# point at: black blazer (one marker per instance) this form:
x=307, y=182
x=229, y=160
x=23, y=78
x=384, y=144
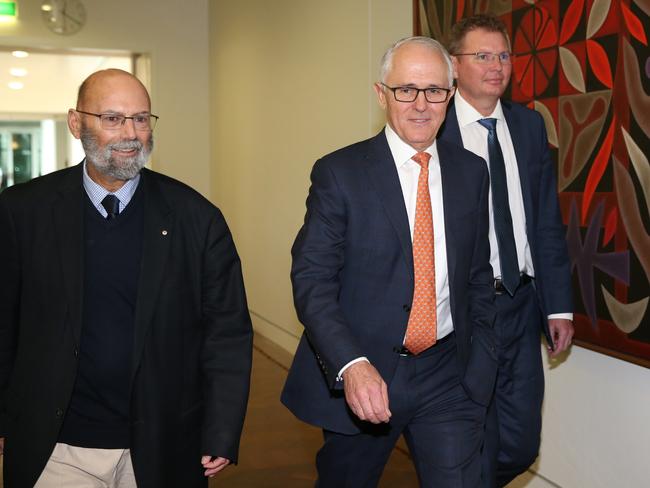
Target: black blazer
x=544, y=230
x=193, y=336
x=352, y=275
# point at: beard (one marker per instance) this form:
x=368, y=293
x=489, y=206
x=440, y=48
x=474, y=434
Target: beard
x=118, y=168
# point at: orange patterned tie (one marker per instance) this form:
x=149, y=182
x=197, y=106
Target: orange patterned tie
x=421, y=329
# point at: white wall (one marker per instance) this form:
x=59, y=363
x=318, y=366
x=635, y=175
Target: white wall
x=596, y=431
x=291, y=81
x=175, y=35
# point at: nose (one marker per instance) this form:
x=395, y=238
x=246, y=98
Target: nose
x=420, y=103
x=128, y=129
x=496, y=63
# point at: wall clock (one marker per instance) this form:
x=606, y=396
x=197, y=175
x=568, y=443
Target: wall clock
x=63, y=16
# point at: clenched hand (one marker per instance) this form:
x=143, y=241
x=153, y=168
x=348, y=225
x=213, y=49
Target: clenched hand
x=561, y=333
x=366, y=393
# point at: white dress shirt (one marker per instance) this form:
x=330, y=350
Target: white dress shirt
x=96, y=192
x=474, y=137
x=409, y=172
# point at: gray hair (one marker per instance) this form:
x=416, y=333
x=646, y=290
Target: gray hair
x=387, y=58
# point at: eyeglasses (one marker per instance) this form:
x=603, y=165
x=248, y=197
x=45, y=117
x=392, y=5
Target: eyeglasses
x=487, y=58
x=142, y=122
x=434, y=94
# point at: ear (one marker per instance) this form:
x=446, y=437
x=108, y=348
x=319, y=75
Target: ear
x=451, y=95
x=74, y=123
x=381, y=95
x=454, y=63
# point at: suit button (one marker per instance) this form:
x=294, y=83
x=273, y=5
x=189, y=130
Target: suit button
x=76, y=352
x=407, y=307
x=59, y=412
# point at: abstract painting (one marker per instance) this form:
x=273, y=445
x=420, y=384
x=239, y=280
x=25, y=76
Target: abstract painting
x=584, y=65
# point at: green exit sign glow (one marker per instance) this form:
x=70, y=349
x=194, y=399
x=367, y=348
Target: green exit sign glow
x=8, y=9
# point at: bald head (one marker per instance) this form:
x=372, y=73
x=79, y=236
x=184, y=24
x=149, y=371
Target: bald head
x=101, y=81
x=114, y=153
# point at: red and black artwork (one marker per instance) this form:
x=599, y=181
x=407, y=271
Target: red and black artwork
x=584, y=65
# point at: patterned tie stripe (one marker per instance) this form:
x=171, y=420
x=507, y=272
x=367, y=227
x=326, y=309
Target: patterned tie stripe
x=421, y=328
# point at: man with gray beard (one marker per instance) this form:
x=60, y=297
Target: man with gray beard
x=125, y=338
x=102, y=157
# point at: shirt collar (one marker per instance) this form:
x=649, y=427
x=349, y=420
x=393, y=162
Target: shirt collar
x=402, y=152
x=96, y=192
x=468, y=115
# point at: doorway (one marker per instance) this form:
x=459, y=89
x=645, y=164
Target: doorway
x=37, y=87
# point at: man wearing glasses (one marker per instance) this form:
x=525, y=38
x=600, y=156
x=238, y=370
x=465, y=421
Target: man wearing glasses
x=527, y=239
x=125, y=339
x=392, y=282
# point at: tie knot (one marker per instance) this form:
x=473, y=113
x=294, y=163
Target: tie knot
x=422, y=159
x=489, y=124
x=112, y=205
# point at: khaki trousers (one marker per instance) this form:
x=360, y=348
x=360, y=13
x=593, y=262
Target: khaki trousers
x=77, y=467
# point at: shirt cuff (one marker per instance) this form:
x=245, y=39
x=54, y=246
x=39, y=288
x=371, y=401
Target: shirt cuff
x=358, y=360
x=568, y=316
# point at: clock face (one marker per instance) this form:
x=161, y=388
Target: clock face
x=63, y=16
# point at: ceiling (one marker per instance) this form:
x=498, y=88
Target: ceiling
x=52, y=79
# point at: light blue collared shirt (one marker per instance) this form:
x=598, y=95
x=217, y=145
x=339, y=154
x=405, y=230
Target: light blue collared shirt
x=96, y=192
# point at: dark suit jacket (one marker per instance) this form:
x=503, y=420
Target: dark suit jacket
x=192, y=345
x=352, y=275
x=544, y=230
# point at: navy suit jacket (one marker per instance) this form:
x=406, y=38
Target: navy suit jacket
x=544, y=230
x=352, y=276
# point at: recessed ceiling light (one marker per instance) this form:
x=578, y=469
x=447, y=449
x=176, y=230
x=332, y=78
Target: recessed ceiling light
x=20, y=72
x=20, y=54
x=46, y=7
x=16, y=85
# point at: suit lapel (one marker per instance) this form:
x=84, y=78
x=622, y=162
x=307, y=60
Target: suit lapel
x=382, y=174
x=450, y=131
x=155, y=254
x=68, y=218
x=521, y=153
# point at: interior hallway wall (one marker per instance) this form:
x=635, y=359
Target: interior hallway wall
x=175, y=35
x=290, y=82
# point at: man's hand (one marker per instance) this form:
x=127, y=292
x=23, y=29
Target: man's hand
x=213, y=465
x=561, y=333
x=2, y=445
x=366, y=392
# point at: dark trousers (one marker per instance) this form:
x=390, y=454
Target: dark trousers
x=442, y=426
x=514, y=418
